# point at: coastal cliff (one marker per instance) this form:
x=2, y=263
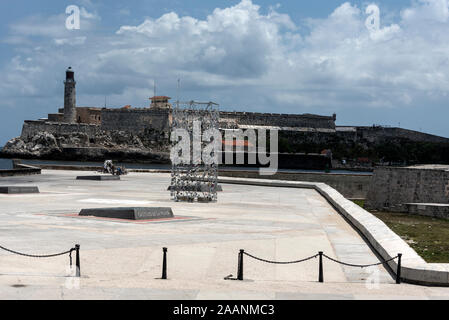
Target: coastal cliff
x=119, y=145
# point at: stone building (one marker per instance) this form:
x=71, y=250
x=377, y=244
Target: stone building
x=160, y=102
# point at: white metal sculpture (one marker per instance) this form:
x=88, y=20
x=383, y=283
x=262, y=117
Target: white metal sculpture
x=194, y=178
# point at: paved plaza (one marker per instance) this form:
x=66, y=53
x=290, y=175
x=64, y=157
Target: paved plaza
x=122, y=259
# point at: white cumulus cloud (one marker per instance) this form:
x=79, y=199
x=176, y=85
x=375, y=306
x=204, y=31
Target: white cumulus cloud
x=242, y=57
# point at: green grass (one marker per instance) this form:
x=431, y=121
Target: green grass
x=359, y=202
x=429, y=237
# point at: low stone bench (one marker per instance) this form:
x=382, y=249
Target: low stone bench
x=18, y=189
x=131, y=213
x=99, y=178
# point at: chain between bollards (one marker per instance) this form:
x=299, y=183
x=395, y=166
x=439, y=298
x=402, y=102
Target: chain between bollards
x=164, y=264
x=398, y=271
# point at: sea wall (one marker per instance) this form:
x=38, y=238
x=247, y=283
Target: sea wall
x=20, y=170
x=392, y=188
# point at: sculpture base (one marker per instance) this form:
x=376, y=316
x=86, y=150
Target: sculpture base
x=99, y=178
x=18, y=190
x=133, y=213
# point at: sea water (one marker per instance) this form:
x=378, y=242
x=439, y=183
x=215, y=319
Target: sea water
x=5, y=164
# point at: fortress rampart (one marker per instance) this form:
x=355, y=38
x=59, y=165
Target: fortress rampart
x=376, y=133
x=135, y=120
x=32, y=128
x=393, y=188
x=278, y=120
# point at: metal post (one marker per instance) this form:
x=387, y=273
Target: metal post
x=77, y=263
x=164, y=264
x=320, y=274
x=240, y=265
x=398, y=271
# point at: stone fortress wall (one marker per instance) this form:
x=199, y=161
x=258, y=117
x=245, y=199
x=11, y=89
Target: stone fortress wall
x=276, y=120
x=138, y=120
x=375, y=133
x=393, y=189
x=135, y=120
x=157, y=121
x=32, y=128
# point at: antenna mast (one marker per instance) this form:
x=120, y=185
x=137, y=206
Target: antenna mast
x=179, y=85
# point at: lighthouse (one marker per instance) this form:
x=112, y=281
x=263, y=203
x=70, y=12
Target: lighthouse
x=69, y=96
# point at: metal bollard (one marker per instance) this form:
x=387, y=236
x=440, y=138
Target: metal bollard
x=240, y=265
x=398, y=271
x=77, y=263
x=164, y=264
x=320, y=274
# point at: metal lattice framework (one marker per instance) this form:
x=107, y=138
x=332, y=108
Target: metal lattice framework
x=194, y=180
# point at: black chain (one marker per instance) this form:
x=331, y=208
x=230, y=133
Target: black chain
x=314, y=256
x=360, y=265
x=40, y=256
x=276, y=262
x=70, y=256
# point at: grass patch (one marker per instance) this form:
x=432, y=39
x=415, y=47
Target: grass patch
x=429, y=237
x=359, y=202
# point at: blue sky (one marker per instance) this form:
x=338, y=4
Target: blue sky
x=269, y=56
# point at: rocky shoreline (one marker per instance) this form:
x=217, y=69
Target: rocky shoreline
x=117, y=145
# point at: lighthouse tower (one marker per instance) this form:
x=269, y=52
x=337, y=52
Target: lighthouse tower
x=69, y=96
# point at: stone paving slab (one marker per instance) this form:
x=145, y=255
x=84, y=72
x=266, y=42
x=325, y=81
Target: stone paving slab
x=386, y=243
x=123, y=260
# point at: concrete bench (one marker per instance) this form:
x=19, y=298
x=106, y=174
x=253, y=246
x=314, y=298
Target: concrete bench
x=131, y=213
x=99, y=178
x=18, y=189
